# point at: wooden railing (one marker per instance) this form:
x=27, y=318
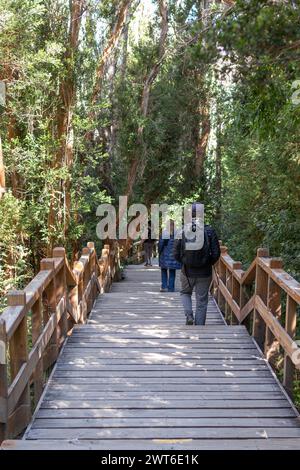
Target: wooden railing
x=265, y=298
x=37, y=321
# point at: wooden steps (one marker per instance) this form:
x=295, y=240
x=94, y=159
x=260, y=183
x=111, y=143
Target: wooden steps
x=135, y=377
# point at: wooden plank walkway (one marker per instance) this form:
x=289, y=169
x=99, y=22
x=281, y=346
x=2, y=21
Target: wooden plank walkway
x=135, y=377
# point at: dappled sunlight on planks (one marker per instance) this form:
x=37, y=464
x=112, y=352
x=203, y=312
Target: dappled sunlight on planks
x=135, y=373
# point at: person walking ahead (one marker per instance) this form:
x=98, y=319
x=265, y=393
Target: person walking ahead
x=167, y=262
x=196, y=273
x=148, y=246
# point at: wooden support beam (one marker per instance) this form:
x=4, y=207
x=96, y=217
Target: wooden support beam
x=87, y=275
x=18, y=349
x=228, y=284
x=290, y=327
x=274, y=304
x=261, y=290
x=77, y=296
x=94, y=269
x=61, y=293
x=279, y=332
x=3, y=381
x=222, y=278
x=236, y=291
x=37, y=327
x=51, y=352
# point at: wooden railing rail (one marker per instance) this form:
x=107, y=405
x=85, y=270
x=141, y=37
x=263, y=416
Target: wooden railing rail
x=37, y=321
x=255, y=298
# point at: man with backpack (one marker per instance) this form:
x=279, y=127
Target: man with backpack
x=197, y=261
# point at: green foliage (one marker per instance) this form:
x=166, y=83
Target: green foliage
x=239, y=63
x=14, y=256
x=33, y=38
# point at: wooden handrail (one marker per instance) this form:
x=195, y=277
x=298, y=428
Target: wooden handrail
x=260, y=308
x=37, y=321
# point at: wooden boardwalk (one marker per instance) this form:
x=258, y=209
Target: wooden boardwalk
x=135, y=377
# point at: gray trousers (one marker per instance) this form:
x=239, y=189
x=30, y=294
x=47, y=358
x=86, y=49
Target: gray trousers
x=148, y=248
x=201, y=287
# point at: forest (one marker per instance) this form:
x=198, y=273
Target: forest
x=161, y=101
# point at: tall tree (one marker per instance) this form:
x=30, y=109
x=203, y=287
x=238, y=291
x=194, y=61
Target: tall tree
x=2, y=172
x=203, y=111
x=139, y=160
x=112, y=42
x=64, y=118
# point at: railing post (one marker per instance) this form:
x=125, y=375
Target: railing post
x=101, y=277
x=243, y=300
x=108, y=252
x=228, y=284
x=104, y=256
x=117, y=262
x=274, y=305
x=37, y=327
x=86, y=251
x=222, y=277
x=18, y=348
x=290, y=327
x=61, y=293
x=3, y=381
x=216, y=273
x=78, y=268
x=236, y=290
x=52, y=349
x=261, y=289
x=93, y=265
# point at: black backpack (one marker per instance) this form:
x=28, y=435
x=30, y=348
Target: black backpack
x=196, y=258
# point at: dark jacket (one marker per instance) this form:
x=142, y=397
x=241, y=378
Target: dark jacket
x=149, y=238
x=215, y=252
x=165, y=250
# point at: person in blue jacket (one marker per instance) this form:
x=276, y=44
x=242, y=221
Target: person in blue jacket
x=167, y=262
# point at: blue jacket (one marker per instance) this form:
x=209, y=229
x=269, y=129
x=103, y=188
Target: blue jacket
x=166, y=257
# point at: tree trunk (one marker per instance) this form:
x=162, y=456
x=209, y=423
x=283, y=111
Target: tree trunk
x=12, y=133
x=131, y=10
x=139, y=161
x=64, y=131
x=203, y=137
x=218, y=172
x=112, y=43
x=204, y=103
x=125, y=49
x=2, y=172
x=108, y=135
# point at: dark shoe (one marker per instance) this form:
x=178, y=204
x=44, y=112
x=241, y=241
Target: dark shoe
x=162, y=289
x=189, y=320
